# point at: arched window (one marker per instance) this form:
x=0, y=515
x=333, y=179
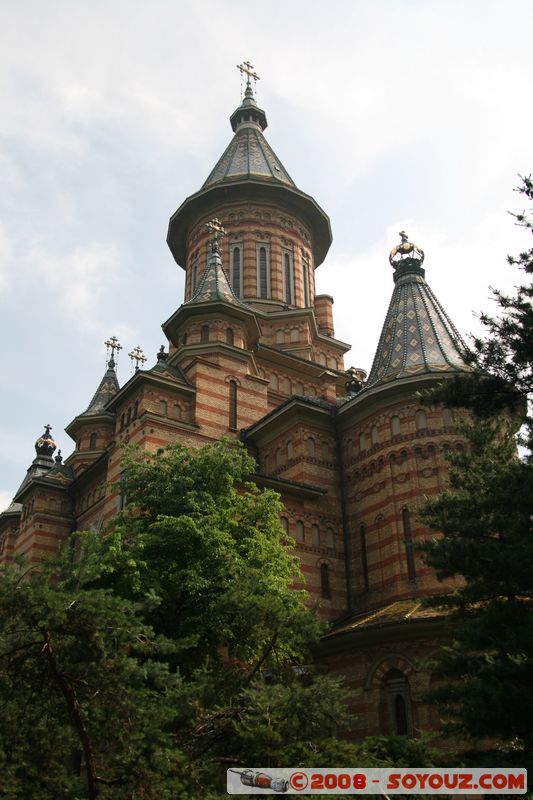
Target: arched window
x=128, y=418
x=184, y=339
x=230, y=338
x=408, y=541
x=447, y=417
x=233, y=405
x=263, y=272
x=277, y=457
x=92, y=442
x=194, y=276
x=395, y=426
x=421, y=421
x=315, y=535
x=285, y=524
x=305, y=270
x=136, y=409
x=175, y=411
x=288, y=279
x=362, y=442
x=364, y=557
x=274, y=383
x=295, y=334
x=290, y=450
x=330, y=538
x=310, y=447
x=299, y=531
x=398, y=703
x=325, y=589
x=236, y=270
x=163, y=408
x=280, y=337
x=374, y=436
x=204, y=334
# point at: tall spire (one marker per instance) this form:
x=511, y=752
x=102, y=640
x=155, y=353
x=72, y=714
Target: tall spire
x=417, y=336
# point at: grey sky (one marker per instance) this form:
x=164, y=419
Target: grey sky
x=392, y=114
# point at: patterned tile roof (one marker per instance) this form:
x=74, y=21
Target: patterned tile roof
x=107, y=388
x=417, y=336
x=214, y=284
x=249, y=155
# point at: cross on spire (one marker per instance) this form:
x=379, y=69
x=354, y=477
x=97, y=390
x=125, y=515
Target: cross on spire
x=248, y=69
x=138, y=356
x=112, y=344
x=217, y=230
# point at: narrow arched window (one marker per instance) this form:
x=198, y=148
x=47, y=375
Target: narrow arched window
x=136, y=409
x=395, y=426
x=290, y=450
x=233, y=405
x=364, y=557
x=310, y=447
x=325, y=589
x=204, y=334
x=287, y=278
x=274, y=383
x=330, y=538
x=230, y=338
x=163, y=408
x=305, y=270
x=315, y=535
x=398, y=701
x=362, y=442
x=280, y=337
x=92, y=442
x=285, y=524
x=236, y=271
x=408, y=541
x=128, y=418
x=194, y=276
x=374, y=436
x=299, y=531
x=263, y=272
x=277, y=457
x=421, y=420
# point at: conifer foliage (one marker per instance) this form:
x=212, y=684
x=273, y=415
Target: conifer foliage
x=486, y=518
x=145, y=662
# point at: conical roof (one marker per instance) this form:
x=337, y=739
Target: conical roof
x=214, y=284
x=248, y=168
x=248, y=155
x=107, y=388
x=417, y=336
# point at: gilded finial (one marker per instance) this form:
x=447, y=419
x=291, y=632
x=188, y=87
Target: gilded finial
x=138, y=356
x=406, y=253
x=218, y=231
x=114, y=345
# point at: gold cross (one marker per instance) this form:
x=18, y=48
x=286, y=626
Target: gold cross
x=138, y=356
x=248, y=69
x=217, y=230
x=113, y=344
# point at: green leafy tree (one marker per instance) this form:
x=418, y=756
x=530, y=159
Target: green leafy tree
x=86, y=696
x=487, y=544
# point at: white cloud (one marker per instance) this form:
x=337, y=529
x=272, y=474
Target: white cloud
x=80, y=279
x=6, y=251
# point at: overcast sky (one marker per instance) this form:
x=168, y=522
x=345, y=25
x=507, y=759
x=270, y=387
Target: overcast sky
x=391, y=113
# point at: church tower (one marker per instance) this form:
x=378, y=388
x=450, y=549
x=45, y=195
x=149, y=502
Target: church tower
x=251, y=355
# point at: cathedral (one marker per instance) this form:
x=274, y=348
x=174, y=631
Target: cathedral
x=252, y=355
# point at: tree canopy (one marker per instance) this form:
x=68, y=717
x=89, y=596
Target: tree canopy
x=485, y=517
x=145, y=662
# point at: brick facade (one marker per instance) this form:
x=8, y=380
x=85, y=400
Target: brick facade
x=351, y=467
